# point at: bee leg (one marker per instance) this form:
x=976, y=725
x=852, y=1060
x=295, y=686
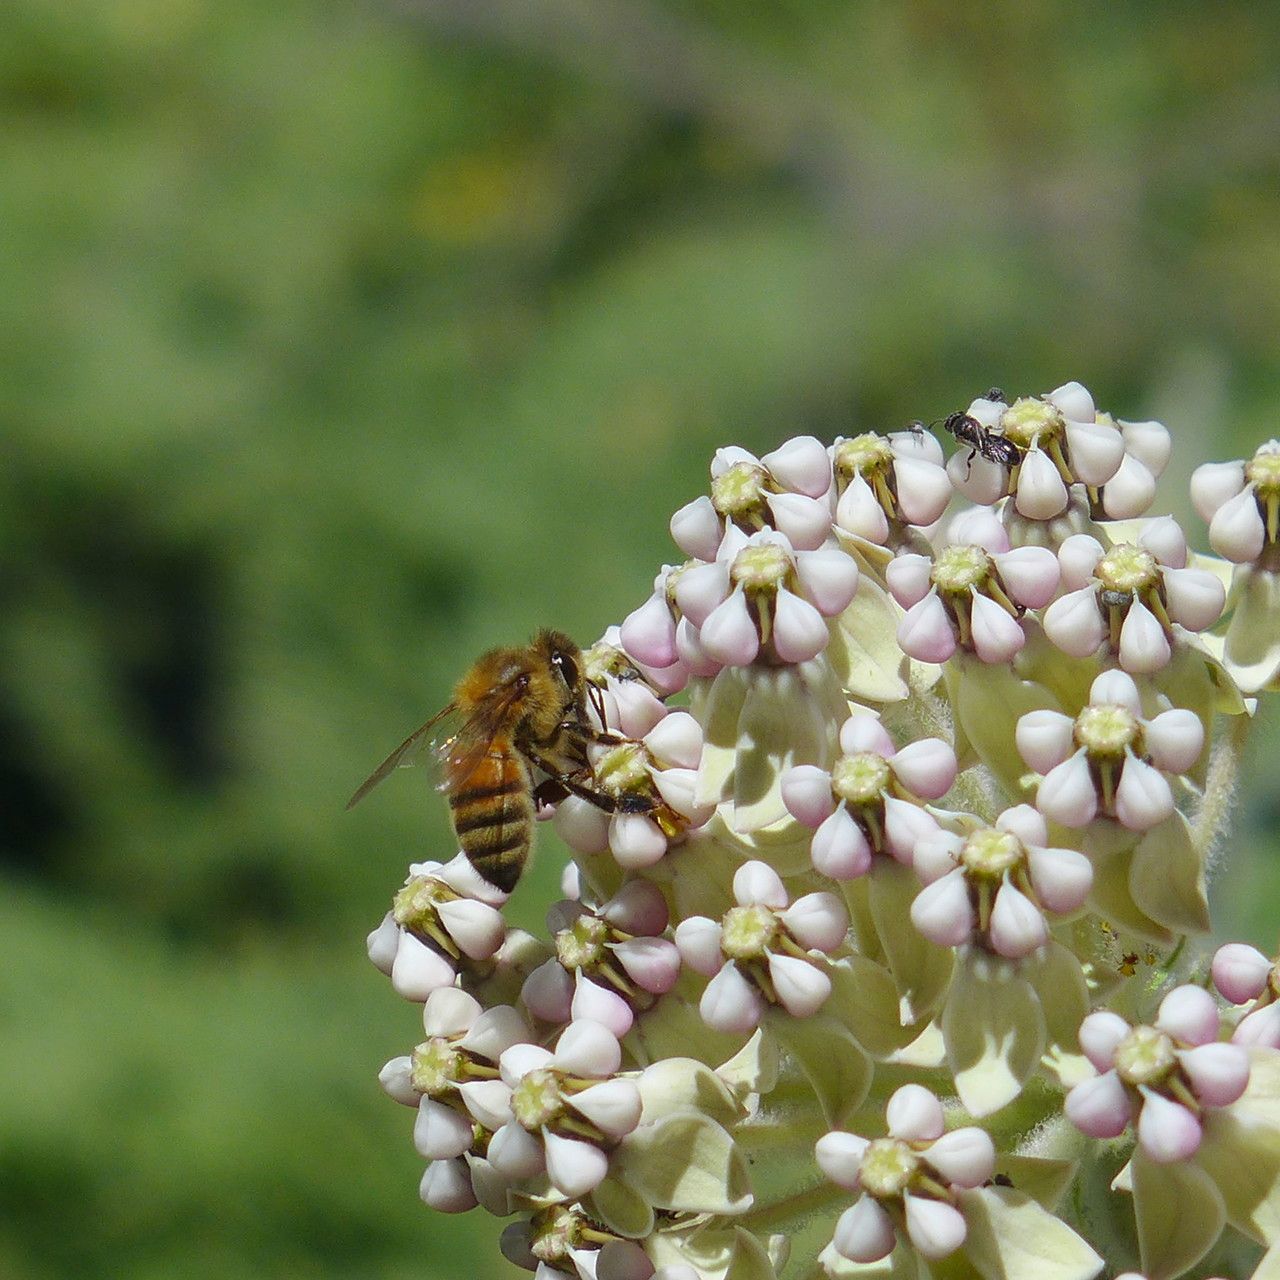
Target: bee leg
x=548, y=792
x=973, y=453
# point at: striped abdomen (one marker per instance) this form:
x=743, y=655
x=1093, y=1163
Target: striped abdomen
x=492, y=812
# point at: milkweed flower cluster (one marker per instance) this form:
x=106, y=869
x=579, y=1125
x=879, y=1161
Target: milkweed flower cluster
x=882, y=954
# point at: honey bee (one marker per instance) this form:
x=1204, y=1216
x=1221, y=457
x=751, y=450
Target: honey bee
x=517, y=709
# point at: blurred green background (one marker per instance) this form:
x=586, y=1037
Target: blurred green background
x=339, y=342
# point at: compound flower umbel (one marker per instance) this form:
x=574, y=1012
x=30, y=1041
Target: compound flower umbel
x=880, y=951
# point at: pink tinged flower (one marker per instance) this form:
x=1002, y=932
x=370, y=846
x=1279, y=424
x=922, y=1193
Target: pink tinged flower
x=595, y=1003
x=547, y=992
x=649, y=632
x=840, y=848
x=936, y=1229
x=839, y=1157
x=1240, y=972
x=418, y=969
x=1078, y=558
x=942, y=911
x=1190, y=1014
x=698, y=940
x=1144, y=647
x=926, y=767
x=908, y=579
x=1174, y=739
x=801, y=464
x=865, y=1232
x=1030, y=575
x=1214, y=483
x=440, y=1132
x=805, y=521
x=697, y=529
x=636, y=840
x=730, y=1003
x=1167, y=1131
x=395, y=1081
x=1099, y=1107
x=1043, y=739
x=1017, y=928
x=828, y=577
x=965, y=1157
x=997, y=636
x=729, y=634
x=925, y=631
x=1130, y=490
x=382, y=944
x=1218, y=1073
x=653, y=964
x=1074, y=623
x=1237, y=530
x=914, y=1114
x=799, y=630
x=802, y=988
x=1066, y=794
x=806, y=791
x=1075, y=401
x=1195, y=598
x=757, y=882
x=817, y=921
x=924, y=489
x=859, y=512
x=700, y=588
x=476, y=928
x=582, y=825
x=1143, y=797
x=1100, y=1035
x=1040, y=493
x=1259, y=1029
x=446, y=1186
x=1097, y=451
x=976, y=478
x=1062, y=878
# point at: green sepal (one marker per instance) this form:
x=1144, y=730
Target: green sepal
x=1166, y=877
x=1110, y=848
x=750, y=1259
x=994, y=1030
x=1179, y=1212
x=620, y=1208
x=685, y=1164
x=902, y=1264
x=864, y=999
x=753, y=1069
x=1241, y=1151
x=759, y=722
x=921, y=970
x=988, y=700
x=833, y=1061
x=1055, y=973
x=1045, y=1181
x=1012, y=1237
x=1252, y=649
x=863, y=650
x=684, y=1084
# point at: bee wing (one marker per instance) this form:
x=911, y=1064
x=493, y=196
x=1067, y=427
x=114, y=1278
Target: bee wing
x=462, y=753
x=405, y=754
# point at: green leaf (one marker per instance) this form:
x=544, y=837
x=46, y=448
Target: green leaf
x=863, y=649
x=1110, y=848
x=902, y=1264
x=754, y=1068
x=1241, y=1151
x=865, y=999
x=686, y=1164
x=1045, y=1181
x=994, y=1030
x=750, y=1260
x=1011, y=1237
x=684, y=1084
x=1166, y=877
x=621, y=1208
x=1179, y=1213
x=835, y=1063
x=988, y=701
x=921, y=970
x=1059, y=981
x=1252, y=650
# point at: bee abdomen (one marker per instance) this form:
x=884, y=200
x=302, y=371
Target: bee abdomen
x=493, y=820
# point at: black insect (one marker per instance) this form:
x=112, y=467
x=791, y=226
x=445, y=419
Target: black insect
x=997, y=394
x=980, y=439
